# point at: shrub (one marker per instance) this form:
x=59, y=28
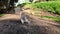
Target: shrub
x=52, y=6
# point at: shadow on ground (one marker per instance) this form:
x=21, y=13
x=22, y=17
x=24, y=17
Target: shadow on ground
x=12, y=26
x=15, y=27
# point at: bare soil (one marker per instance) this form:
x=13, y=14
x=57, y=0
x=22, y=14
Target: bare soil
x=10, y=24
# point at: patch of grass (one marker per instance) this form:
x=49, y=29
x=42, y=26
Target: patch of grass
x=36, y=12
x=1, y=15
x=57, y=19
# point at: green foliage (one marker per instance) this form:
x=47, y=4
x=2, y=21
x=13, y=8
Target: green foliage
x=51, y=6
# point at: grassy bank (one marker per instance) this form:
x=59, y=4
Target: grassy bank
x=51, y=6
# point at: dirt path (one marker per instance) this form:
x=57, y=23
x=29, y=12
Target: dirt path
x=10, y=24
